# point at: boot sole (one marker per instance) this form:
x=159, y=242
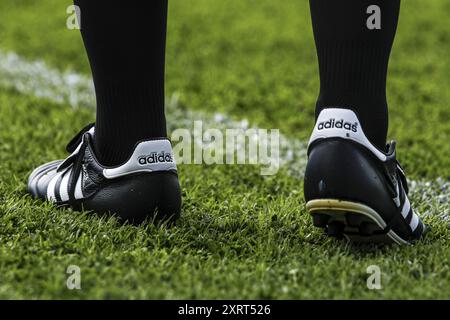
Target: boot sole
x=354, y=221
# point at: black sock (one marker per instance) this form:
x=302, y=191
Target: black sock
x=353, y=59
x=125, y=42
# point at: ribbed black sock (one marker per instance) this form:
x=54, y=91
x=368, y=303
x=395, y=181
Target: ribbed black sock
x=125, y=42
x=353, y=58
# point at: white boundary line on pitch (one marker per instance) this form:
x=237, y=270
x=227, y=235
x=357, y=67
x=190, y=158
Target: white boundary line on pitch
x=76, y=90
x=36, y=78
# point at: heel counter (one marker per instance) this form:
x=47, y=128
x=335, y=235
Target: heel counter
x=139, y=196
x=341, y=169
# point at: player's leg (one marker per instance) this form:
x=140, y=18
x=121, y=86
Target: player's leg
x=353, y=183
x=124, y=164
x=125, y=43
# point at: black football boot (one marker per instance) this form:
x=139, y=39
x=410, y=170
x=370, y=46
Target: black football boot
x=145, y=186
x=354, y=190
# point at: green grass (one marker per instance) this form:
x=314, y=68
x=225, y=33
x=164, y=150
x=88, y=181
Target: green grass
x=241, y=235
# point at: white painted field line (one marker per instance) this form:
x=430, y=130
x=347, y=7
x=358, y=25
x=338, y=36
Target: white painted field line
x=38, y=79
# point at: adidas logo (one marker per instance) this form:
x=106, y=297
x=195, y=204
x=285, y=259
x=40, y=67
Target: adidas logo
x=332, y=123
x=155, y=157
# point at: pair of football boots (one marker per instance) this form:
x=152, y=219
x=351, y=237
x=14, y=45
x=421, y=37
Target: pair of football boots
x=351, y=188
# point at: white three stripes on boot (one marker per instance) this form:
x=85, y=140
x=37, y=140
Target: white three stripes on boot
x=52, y=186
x=64, y=187
x=405, y=211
